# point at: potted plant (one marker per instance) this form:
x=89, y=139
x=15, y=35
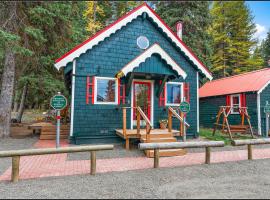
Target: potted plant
x=163, y=123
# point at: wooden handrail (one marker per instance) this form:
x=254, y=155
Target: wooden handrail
x=178, y=116
x=178, y=145
x=144, y=116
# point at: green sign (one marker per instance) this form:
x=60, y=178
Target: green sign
x=184, y=107
x=267, y=108
x=58, y=102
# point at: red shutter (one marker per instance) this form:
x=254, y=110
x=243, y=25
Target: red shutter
x=187, y=92
x=121, y=92
x=243, y=100
x=90, y=89
x=228, y=100
x=162, y=97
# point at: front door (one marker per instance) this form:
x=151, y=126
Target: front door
x=142, y=98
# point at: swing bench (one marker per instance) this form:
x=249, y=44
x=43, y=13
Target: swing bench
x=225, y=111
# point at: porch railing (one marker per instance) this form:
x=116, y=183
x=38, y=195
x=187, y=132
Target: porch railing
x=139, y=114
x=172, y=112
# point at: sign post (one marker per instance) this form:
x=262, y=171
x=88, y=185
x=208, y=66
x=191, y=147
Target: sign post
x=267, y=113
x=184, y=108
x=58, y=102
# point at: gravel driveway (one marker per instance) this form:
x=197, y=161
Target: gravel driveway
x=246, y=179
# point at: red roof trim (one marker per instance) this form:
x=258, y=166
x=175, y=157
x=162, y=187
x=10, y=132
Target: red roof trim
x=125, y=16
x=162, y=21
x=99, y=32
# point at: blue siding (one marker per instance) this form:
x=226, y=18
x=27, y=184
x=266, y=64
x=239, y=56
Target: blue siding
x=209, y=108
x=106, y=59
x=265, y=96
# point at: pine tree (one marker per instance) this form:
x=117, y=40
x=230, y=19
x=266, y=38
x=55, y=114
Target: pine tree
x=196, y=19
x=232, y=32
x=266, y=50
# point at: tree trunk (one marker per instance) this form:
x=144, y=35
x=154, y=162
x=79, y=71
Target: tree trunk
x=15, y=100
x=21, y=109
x=7, y=92
x=8, y=75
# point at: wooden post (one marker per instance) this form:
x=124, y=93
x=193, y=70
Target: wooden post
x=15, y=168
x=182, y=125
x=156, y=158
x=207, y=155
x=93, y=163
x=148, y=129
x=125, y=122
x=127, y=143
x=170, y=121
x=138, y=122
x=250, y=152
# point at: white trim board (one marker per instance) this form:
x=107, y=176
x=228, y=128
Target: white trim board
x=116, y=91
x=72, y=98
x=155, y=48
x=182, y=93
x=259, y=113
x=260, y=91
x=62, y=62
x=198, y=105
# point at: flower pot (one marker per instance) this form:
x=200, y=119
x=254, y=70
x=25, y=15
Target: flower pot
x=163, y=125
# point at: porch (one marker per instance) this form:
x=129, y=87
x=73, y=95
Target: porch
x=149, y=135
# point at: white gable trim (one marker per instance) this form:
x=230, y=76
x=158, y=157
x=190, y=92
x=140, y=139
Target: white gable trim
x=260, y=91
x=147, y=54
x=118, y=25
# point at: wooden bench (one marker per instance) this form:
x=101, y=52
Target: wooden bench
x=16, y=154
x=249, y=144
x=181, y=145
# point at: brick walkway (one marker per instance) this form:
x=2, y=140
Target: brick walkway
x=58, y=165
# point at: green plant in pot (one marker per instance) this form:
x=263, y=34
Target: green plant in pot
x=163, y=123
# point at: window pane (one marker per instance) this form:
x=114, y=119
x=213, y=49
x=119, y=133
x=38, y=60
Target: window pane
x=236, y=100
x=106, y=90
x=173, y=94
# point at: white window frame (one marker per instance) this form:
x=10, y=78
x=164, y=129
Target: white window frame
x=116, y=91
x=182, y=93
x=239, y=97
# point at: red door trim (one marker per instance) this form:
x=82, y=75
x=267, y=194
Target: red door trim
x=149, y=98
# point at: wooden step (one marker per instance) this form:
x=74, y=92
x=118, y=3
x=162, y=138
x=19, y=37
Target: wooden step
x=52, y=137
x=159, y=140
x=167, y=153
x=158, y=135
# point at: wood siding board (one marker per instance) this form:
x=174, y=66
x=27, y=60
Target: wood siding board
x=106, y=59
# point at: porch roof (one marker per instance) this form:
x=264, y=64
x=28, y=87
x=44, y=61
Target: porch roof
x=154, y=49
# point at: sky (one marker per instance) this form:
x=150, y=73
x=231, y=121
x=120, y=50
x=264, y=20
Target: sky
x=261, y=13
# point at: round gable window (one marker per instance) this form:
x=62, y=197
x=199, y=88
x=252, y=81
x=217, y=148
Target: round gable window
x=142, y=42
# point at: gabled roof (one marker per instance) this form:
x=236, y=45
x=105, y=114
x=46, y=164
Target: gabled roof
x=106, y=32
x=254, y=81
x=154, y=49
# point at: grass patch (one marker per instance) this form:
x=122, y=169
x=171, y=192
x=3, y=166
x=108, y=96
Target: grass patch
x=208, y=134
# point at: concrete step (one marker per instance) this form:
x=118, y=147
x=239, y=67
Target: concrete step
x=167, y=153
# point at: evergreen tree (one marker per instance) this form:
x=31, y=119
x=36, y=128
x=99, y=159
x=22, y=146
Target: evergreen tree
x=232, y=31
x=266, y=50
x=196, y=19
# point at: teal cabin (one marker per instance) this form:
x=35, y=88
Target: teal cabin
x=251, y=90
x=131, y=72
